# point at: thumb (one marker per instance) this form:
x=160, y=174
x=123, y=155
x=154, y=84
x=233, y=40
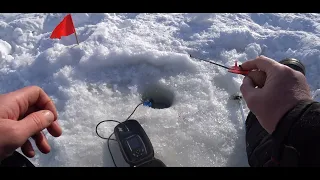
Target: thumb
x=36, y=122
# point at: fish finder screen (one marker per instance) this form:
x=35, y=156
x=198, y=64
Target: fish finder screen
x=134, y=142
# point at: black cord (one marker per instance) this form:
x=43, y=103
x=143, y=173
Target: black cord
x=110, y=150
x=116, y=121
x=108, y=121
x=134, y=110
x=109, y=138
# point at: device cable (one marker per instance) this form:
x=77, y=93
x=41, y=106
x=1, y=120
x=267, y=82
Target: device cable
x=146, y=103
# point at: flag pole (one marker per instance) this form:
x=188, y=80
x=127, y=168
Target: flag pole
x=75, y=33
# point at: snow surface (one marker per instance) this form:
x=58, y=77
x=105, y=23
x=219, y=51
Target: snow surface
x=122, y=55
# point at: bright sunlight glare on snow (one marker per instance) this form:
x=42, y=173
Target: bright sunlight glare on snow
x=122, y=56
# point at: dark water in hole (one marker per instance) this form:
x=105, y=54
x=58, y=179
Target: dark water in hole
x=162, y=96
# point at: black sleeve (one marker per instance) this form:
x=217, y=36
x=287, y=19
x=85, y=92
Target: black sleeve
x=16, y=160
x=297, y=135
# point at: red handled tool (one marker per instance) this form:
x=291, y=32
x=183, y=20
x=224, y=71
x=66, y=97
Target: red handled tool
x=237, y=70
x=234, y=69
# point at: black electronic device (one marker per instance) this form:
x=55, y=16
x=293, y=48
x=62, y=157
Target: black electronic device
x=135, y=145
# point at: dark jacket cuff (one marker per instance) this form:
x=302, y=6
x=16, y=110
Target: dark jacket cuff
x=283, y=128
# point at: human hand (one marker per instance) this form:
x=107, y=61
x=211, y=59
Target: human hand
x=23, y=114
x=280, y=89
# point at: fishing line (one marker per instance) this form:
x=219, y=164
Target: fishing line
x=241, y=110
x=239, y=98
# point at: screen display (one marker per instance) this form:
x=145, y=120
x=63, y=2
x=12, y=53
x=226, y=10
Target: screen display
x=134, y=142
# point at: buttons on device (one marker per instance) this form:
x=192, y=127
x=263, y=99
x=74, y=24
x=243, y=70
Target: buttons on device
x=138, y=152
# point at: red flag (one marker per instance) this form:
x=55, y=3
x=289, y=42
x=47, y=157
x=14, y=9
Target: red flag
x=64, y=28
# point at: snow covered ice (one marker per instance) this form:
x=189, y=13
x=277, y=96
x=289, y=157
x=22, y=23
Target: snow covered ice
x=121, y=55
